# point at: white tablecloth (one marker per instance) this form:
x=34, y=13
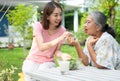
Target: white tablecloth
x=83, y=74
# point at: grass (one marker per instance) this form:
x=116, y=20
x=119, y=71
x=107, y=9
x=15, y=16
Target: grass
x=16, y=57
x=70, y=50
x=11, y=57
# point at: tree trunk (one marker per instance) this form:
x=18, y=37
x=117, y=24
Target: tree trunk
x=112, y=11
x=24, y=47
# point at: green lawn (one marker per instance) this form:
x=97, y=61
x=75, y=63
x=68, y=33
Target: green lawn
x=11, y=57
x=16, y=57
x=70, y=50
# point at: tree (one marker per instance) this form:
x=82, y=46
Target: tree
x=107, y=7
x=111, y=9
x=21, y=18
x=117, y=23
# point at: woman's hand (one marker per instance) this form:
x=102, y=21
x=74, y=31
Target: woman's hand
x=66, y=56
x=65, y=35
x=71, y=40
x=63, y=56
x=92, y=41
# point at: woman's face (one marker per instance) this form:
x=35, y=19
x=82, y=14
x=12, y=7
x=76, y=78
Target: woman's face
x=90, y=28
x=56, y=17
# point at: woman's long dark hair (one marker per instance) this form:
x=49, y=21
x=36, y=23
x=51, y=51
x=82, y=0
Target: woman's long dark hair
x=100, y=19
x=48, y=10
x=109, y=30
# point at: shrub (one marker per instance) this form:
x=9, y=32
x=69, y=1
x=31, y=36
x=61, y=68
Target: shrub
x=6, y=74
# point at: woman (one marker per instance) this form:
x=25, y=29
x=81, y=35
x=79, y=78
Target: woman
x=101, y=49
x=48, y=35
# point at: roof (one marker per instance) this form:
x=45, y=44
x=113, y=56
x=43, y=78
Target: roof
x=69, y=4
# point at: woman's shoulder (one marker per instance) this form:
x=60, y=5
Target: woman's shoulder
x=37, y=25
x=108, y=38
x=62, y=29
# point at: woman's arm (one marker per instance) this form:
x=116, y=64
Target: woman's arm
x=81, y=54
x=58, y=53
x=92, y=53
x=44, y=46
x=79, y=50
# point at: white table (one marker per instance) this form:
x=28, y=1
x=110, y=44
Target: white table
x=83, y=74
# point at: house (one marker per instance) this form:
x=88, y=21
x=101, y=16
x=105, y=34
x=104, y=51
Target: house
x=5, y=5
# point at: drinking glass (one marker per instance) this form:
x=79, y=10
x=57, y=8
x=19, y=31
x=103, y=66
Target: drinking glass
x=64, y=67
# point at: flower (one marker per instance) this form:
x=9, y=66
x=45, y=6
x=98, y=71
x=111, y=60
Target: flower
x=21, y=75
